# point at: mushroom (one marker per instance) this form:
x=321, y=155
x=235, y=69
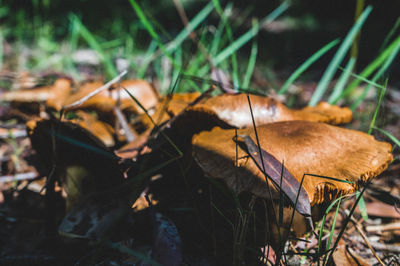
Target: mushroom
x=305, y=148
x=74, y=156
x=233, y=109
x=105, y=101
x=54, y=95
x=309, y=149
x=190, y=114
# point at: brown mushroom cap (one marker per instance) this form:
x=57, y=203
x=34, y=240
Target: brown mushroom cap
x=100, y=129
x=105, y=101
x=53, y=95
x=305, y=148
x=101, y=102
x=233, y=109
x=141, y=90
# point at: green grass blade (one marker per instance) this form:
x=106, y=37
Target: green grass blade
x=252, y=60
x=1, y=49
x=321, y=229
x=337, y=59
x=346, y=222
x=306, y=65
x=235, y=74
x=390, y=34
x=370, y=69
x=192, y=25
x=381, y=95
x=218, y=34
x=333, y=225
x=149, y=27
x=381, y=71
x=111, y=70
x=390, y=136
x=147, y=59
x=342, y=80
x=362, y=207
x=242, y=40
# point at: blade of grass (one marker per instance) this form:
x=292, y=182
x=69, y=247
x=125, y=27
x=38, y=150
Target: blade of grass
x=342, y=80
x=1, y=49
x=252, y=60
x=380, y=72
x=390, y=136
x=111, y=70
x=354, y=48
x=306, y=65
x=362, y=207
x=381, y=95
x=149, y=27
x=178, y=59
x=346, y=221
x=235, y=74
x=337, y=59
x=242, y=40
x=332, y=229
x=321, y=229
x=390, y=34
x=73, y=45
x=192, y=25
x=147, y=59
x=369, y=69
x=331, y=178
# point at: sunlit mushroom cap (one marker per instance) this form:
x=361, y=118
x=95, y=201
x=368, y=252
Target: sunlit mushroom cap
x=304, y=148
x=234, y=110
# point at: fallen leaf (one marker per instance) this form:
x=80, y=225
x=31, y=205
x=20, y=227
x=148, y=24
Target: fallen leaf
x=278, y=174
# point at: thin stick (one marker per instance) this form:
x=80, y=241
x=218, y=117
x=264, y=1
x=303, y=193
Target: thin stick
x=129, y=134
x=365, y=238
x=18, y=177
x=95, y=92
x=383, y=227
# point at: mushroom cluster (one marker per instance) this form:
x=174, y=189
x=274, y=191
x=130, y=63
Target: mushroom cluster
x=252, y=145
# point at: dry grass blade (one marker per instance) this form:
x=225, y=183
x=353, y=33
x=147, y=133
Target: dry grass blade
x=95, y=92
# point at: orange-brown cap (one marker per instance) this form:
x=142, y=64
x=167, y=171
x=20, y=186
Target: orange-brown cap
x=234, y=110
x=304, y=148
x=106, y=100
x=54, y=95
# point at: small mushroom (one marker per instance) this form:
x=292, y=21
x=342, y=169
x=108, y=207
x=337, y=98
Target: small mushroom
x=105, y=101
x=53, y=95
x=72, y=155
x=304, y=148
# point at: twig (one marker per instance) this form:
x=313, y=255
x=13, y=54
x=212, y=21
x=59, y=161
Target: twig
x=365, y=238
x=95, y=92
x=18, y=177
x=129, y=134
x=384, y=227
x=12, y=133
x=379, y=246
